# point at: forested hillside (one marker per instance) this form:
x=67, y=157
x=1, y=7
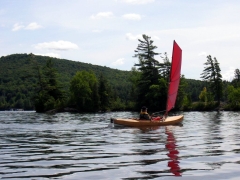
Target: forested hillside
x=18, y=78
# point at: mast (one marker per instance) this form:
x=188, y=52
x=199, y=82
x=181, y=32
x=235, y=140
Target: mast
x=174, y=78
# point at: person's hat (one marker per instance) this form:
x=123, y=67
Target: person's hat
x=144, y=108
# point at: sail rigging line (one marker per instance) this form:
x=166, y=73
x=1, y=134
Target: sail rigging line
x=158, y=112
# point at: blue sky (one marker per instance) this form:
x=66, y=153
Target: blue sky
x=106, y=32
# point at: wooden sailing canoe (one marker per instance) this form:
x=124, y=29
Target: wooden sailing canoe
x=171, y=120
x=174, y=79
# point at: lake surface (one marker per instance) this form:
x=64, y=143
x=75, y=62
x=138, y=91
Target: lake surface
x=85, y=146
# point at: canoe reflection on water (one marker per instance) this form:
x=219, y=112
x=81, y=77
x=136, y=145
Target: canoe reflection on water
x=173, y=160
x=173, y=153
x=171, y=146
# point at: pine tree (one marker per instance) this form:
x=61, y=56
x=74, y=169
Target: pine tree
x=237, y=74
x=148, y=83
x=147, y=63
x=49, y=94
x=218, y=81
x=212, y=74
x=53, y=87
x=236, y=80
x=165, y=67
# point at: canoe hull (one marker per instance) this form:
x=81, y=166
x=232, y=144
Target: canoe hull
x=171, y=120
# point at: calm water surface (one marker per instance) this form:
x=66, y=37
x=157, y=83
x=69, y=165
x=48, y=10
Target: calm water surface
x=85, y=146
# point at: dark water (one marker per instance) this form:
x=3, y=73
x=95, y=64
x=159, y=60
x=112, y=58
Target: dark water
x=74, y=146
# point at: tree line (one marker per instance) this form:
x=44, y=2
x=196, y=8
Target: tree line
x=42, y=83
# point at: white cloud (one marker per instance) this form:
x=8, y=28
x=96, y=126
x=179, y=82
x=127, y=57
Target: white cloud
x=33, y=26
x=132, y=17
x=49, y=54
x=102, y=15
x=57, y=45
x=130, y=36
x=229, y=74
x=118, y=62
x=17, y=26
x=137, y=1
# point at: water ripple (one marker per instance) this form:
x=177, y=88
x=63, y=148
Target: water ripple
x=84, y=146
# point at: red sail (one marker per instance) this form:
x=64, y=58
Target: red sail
x=174, y=76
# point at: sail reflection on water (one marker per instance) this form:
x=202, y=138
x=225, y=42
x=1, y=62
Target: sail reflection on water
x=171, y=146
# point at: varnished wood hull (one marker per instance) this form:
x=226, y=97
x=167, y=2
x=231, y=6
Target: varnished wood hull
x=171, y=120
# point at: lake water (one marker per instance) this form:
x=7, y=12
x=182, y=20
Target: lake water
x=85, y=146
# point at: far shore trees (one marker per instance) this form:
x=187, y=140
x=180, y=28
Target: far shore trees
x=41, y=83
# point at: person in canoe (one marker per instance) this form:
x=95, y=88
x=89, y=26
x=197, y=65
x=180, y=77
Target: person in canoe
x=144, y=114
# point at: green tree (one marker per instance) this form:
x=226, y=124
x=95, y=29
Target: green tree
x=236, y=80
x=157, y=95
x=27, y=104
x=237, y=74
x=148, y=65
x=53, y=86
x=149, y=68
x=218, y=85
x=234, y=97
x=183, y=100
x=3, y=103
x=203, y=95
x=104, y=93
x=19, y=104
x=49, y=94
x=83, y=89
x=165, y=67
x=212, y=74
x=135, y=76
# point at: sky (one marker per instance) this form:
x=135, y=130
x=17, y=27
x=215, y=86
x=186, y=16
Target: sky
x=106, y=32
